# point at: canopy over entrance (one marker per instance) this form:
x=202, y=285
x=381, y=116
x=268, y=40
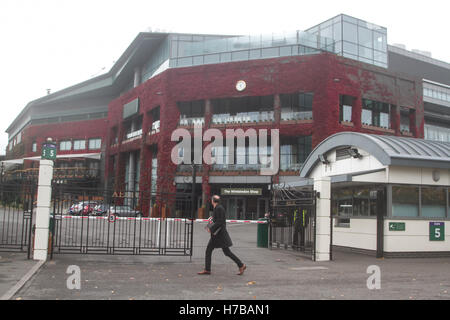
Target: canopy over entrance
x=388, y=150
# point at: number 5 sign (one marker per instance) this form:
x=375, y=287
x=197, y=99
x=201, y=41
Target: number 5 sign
x=437, y=231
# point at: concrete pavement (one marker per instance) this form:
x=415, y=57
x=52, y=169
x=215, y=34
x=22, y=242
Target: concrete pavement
x=271, y=274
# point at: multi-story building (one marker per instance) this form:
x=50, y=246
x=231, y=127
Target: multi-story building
x=338, y=76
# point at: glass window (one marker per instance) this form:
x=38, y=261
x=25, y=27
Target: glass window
x=327, y=32
x=337, y=32
x=350, y=32
x=365, y=52
x=65, y=145
x=34, y=147
x=361, y=202
x=79, y=144
x=366, y=117
x=350, y=19
x=239, y=55
x=365, y=37
x=269, y=52
x=375, y=113
x=373, y=198
x=343, y=199
x=405, y=201
x=285, y=51
x=380, y=56
x=95, y=144
x=379, y=41
x=350, y=48
x=345, y=108
x=433, y=202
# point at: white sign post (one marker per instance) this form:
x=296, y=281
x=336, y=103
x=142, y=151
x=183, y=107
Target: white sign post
x=323, y=236
x=43, y=209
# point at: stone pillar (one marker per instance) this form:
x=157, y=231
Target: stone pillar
x=323, y=222
x=43, y=210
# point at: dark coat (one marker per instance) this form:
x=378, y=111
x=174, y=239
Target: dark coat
x=222, y=238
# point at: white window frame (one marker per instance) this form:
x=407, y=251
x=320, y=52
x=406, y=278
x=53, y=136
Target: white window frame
x=82, y=142
x=65, y=145
x=97, y=141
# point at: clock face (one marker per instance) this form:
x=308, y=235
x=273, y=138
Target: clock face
x=241, y=85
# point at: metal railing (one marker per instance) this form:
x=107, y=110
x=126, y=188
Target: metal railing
x=199, y=121
x=243, y=117
x=60, y=173
x=300, y=115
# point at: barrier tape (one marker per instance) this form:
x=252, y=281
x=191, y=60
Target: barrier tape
x=158, y=219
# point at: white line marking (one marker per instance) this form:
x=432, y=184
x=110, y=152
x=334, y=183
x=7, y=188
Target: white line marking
x=11, y=292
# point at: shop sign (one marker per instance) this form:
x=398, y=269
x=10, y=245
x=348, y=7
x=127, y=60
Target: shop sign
x=437, y=231
x=397, y=226
x=241, y=191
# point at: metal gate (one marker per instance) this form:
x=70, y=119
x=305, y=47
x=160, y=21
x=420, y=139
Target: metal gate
x=16, y=216
x=293, y=220
x=89, y=221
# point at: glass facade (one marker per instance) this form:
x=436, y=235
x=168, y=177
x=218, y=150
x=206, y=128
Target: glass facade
x=436, y=133
x=441, y=94
x=192, y=51
x=355, y=39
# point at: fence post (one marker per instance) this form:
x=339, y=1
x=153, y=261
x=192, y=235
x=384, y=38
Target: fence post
x=43, y=209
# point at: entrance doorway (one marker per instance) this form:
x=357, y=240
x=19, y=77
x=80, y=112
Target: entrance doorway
x=235, y=208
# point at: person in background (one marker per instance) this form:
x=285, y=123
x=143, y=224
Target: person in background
x=219, y=238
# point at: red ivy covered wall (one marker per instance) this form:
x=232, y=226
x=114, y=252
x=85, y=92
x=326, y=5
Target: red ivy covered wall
x=326, y=75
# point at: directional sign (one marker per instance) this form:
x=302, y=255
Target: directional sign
x=397, y=226
x=437, y=231
x=48, y=151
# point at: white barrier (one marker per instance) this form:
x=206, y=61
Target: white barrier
x=159, y=219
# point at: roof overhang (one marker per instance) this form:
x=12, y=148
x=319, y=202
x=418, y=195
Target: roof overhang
x=388, y=150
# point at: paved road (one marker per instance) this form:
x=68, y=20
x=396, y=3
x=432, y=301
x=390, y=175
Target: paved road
x=271, y=274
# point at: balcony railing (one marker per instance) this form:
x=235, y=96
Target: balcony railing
x=299, y=115
x=237, y=167
x=199, y=121
x=243, y=117
x=291, y=167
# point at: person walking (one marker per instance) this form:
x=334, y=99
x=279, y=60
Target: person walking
x=219, y=238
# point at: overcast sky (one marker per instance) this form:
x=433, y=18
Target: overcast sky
x=53, y=44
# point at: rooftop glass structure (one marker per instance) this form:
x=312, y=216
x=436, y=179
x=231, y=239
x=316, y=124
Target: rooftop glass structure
x=343, y=35
x=355, y=39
